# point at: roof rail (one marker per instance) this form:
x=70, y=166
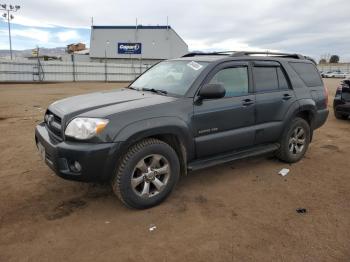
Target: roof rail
x=311, y=59
x=191, y=54
x=244, y=53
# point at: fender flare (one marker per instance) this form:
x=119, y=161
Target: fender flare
x=308, y=105
x=172, y=125
x=303, y=105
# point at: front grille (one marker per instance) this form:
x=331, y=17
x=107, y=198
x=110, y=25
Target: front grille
x=53, y=123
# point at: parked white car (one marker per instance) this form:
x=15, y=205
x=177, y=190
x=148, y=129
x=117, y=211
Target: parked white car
x=336, y=74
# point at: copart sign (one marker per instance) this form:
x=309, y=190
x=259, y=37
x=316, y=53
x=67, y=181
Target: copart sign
x=129, y=48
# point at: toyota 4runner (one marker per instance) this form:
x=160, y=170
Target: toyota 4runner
x=185, y=114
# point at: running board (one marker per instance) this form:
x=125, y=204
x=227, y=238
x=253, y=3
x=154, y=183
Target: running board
x=228, y=157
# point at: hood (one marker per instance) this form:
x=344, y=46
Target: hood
x=75, y=105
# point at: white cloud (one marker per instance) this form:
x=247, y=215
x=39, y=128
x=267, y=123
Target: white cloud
x=41, y=36
x=70, y=35
x=4, y=45
x=226, y=45
x=22, y=20
x=285, y=25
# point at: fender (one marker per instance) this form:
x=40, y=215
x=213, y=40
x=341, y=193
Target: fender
x=309, y=106
x=293, y=110
x=299, y=106
x=158, y=126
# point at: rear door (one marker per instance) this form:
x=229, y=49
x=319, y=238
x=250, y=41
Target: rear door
x=274, y=96
x=225, y=124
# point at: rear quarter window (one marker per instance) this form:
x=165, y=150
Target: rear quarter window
x=308, y=73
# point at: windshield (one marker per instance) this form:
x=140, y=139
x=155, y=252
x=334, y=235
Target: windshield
x=174, y=77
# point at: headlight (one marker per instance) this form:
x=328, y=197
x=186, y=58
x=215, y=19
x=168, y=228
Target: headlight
x=85, y=128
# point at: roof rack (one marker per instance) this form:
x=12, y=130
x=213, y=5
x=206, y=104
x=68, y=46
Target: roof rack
x=191, y=54
x=311, y=59
x=244, y=53
x=247, y=53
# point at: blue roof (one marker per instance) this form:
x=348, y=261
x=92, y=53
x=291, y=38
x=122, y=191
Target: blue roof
x=131, y=27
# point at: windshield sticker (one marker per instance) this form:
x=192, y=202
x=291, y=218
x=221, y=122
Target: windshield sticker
x=194, y=65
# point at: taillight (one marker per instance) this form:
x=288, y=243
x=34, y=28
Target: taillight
x=326, y=96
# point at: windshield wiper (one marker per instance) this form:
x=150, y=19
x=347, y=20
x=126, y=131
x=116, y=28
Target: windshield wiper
x=158, y=91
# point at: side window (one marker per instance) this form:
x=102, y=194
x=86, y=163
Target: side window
x=282, y=81
x=265, y=79
x=308, y=73
x=234, y=79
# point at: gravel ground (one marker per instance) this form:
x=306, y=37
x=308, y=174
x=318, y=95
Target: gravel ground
x=242, y=211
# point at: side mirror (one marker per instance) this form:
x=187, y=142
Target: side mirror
x=212, y=91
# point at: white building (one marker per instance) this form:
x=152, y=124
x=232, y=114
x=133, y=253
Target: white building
x=144, y=44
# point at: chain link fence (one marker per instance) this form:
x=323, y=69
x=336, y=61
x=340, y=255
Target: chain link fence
x=344, y=67
x=57, y=71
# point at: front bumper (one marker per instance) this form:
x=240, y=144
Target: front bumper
x=97, y=161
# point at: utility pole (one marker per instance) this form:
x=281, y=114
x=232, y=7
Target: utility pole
x=7, y=15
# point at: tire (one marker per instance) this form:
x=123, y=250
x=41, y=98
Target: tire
x=293, y=145
x=340, y=116
x=146, y=174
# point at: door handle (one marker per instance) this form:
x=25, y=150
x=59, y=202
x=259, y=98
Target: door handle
x=286, y=97
x=247, y=102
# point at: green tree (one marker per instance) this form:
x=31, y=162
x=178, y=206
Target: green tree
x=334, y=59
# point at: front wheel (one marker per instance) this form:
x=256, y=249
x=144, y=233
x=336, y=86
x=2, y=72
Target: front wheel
x=146, y=174
x=295, y=141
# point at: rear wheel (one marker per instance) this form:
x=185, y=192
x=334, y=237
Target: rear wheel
x=146, y=174
x=295, y=141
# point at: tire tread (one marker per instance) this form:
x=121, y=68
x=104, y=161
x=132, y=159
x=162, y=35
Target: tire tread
x=116, y=181
x=282, y=152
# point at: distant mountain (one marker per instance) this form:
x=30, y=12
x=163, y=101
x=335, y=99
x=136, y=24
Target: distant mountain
x=57, y=51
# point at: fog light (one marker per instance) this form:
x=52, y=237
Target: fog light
x=76, y=167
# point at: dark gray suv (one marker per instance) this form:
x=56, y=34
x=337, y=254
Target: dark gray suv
x=185, y=114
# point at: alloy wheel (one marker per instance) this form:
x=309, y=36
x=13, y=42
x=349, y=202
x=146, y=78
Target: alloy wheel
x=297, y=141
x=150, y=176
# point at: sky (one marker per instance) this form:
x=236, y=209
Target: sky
x=313, y=28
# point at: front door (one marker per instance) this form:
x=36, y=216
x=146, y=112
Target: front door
x=225, y=124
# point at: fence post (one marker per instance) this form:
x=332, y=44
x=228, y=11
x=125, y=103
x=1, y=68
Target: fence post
x=73, y=67
x=106, y=70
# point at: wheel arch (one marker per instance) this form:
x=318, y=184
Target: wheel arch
x=303, y=108
x=307, y=110
x=174, y=133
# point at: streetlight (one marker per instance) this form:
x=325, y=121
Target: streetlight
x=9, y=17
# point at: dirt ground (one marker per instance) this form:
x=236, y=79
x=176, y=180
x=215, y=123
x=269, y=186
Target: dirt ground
x=242, y=211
